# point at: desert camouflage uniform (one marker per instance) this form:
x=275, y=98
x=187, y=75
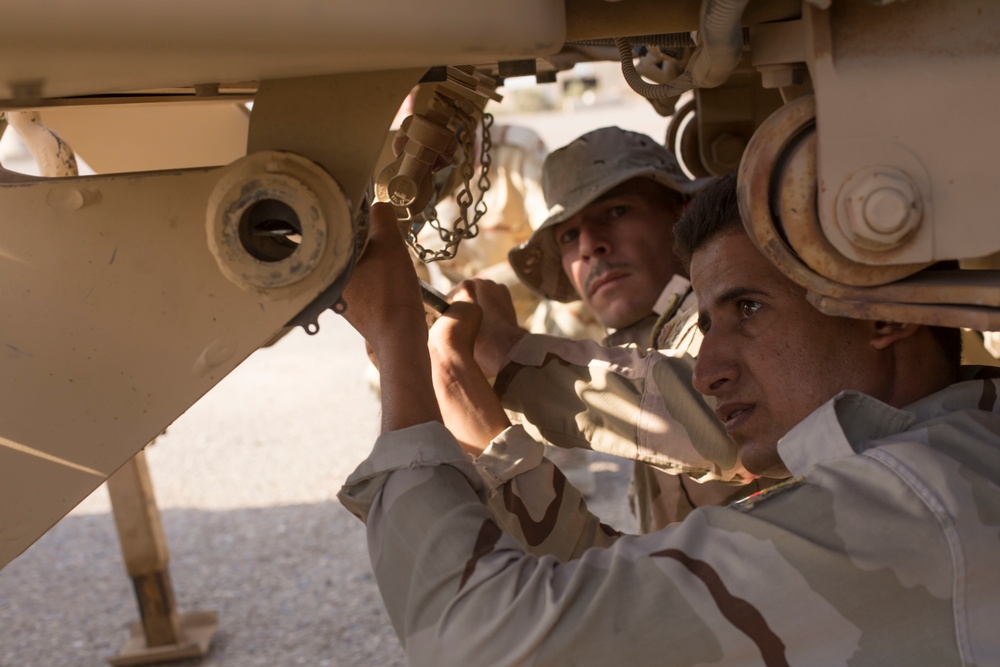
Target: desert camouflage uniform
x=573, y=178
x=578, y=395
x=882, y=550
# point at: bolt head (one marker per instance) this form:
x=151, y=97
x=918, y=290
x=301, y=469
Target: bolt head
x=882, y=207
x=886, y=210
x=66, y=199
x=727, y=150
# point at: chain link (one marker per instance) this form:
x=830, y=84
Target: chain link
x=461, y=228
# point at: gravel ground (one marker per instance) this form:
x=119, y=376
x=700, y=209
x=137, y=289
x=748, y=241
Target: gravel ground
x=246, y=481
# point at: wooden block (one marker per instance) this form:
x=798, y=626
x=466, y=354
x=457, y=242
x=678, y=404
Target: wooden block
x=197, y=630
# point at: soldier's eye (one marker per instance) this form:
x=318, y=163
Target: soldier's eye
x=616, y=212
x=748, y=308
x=568, y=236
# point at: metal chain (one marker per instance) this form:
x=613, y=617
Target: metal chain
x=461, y=228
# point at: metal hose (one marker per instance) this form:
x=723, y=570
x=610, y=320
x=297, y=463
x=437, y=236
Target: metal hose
x=54, y=156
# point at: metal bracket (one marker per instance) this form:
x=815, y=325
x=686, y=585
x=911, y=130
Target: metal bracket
x=128, y=296
x=899, y=86
x=777, y=195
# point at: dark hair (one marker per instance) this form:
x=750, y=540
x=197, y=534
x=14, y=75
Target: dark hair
x=715, y=209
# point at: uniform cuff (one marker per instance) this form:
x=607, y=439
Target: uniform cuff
x=510, y=454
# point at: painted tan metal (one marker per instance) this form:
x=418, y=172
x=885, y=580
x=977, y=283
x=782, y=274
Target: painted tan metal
x=893, y=311
x=320, y=207
x=430, y=138
x=117, y=138
x=908, y=87
x=309, y=117
x=782, y=153
x=50, y=49
x=879, y=208
x=163, y=630
x=137, y=519
x=778, y=52
x=727, y=117
x=117, y=316
x=600, y=19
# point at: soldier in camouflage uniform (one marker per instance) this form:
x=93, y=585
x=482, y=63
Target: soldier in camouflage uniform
x=881, y=548
x=613, y=198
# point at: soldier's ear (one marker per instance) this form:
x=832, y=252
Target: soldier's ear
x=885, y=334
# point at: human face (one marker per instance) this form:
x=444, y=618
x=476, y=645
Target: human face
x=618, y=251
x=769, y=358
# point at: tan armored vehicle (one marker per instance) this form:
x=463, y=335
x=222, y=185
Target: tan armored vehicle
x=864, y=132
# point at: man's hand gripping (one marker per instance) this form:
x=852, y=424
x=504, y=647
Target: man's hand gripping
x=384, y=305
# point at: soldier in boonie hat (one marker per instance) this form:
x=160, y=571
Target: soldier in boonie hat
x=613, y=199
x=575, y=176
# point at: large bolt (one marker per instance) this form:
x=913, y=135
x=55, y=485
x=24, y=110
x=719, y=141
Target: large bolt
x=727, y=150
x=887, y=210
x=881, y=207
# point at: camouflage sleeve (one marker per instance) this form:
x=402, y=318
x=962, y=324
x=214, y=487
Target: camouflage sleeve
x=623, y=401
x=532, y=501
x=791, y=580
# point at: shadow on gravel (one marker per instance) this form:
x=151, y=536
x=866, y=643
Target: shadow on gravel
x=292, y=586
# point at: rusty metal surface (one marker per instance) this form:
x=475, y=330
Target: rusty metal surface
x=969, y=299
x=978, y=319
x=972, y=288
x=910, y=87
x=682, y=139
x=799, y=222
x=780, y=163
x=755, y=174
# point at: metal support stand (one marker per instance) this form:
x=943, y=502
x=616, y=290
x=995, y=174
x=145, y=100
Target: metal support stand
x=162, y=634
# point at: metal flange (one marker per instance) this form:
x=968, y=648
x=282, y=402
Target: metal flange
x=777, y=194
x=271, y=220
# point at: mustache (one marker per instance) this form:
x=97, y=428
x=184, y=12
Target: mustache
x=598, y=268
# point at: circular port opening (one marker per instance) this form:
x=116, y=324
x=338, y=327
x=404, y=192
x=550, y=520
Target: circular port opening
x=270, y=230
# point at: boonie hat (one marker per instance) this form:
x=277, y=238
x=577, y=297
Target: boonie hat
x=573, y=177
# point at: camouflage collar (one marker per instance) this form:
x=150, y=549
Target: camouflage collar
x=834, y=429
x=672, y=296
x=843, y=425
